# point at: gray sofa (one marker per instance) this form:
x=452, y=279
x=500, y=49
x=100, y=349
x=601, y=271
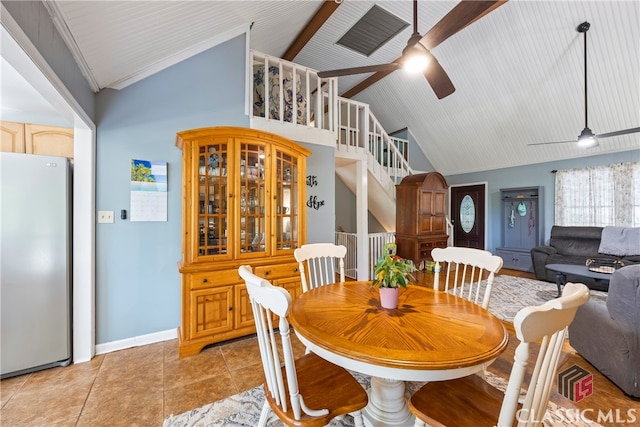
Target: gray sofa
x=573, y=245
x=608, y=336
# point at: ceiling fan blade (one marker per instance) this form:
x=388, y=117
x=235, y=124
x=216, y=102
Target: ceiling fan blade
x=438, y=78
x=618, y=132
x=359, y=70
x=554, y=142
x=464, y=13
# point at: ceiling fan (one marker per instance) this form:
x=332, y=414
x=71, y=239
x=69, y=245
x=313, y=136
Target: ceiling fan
x=587, y=138
x=417, y=57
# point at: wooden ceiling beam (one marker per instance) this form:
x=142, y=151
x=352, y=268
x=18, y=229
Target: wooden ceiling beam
x=314, y=24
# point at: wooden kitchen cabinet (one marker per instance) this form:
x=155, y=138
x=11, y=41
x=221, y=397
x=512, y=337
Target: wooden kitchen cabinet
x=421, y=216
x=36, y=139
x=49, y=140
x=12, y=137
x=243, y=203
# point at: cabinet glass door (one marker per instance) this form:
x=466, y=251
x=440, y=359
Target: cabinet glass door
x=212, y=199
x=252, y=198
x=286, y=212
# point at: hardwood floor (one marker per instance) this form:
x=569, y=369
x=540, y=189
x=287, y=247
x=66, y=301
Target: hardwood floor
x=144, y=385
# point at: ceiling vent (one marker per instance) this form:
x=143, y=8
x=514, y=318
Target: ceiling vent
x=374, y=29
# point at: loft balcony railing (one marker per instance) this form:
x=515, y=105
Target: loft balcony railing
x=285, y=93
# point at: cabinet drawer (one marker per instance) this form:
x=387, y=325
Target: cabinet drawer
x=427, y=245
x=271, y=272
x=212, y=278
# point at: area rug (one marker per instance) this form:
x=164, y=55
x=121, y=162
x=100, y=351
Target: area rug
x=509, y=295
x=243, y=410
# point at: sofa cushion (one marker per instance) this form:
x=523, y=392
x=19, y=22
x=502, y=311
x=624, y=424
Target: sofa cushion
x=576, y=241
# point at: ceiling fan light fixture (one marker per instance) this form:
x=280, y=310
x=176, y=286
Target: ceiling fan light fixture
x=415, y=63
x=415, y=59
x=587, y=139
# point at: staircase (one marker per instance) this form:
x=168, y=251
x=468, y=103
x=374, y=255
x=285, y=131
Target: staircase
x=304, y=107
x=360, y=135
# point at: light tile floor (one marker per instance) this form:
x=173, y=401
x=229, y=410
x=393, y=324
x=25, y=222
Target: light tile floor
x=140, y=386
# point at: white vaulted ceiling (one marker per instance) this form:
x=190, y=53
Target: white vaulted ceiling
x=518, y=71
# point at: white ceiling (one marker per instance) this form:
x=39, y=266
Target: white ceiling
x=518, y=71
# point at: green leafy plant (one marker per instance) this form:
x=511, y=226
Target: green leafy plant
x=391, y=270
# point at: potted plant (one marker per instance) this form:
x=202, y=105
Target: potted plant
x=391, y=273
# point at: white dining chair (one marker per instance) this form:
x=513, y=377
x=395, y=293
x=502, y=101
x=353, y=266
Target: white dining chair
x=309, y=391
x=464, y=270
x=471, y=401
x=317, y=264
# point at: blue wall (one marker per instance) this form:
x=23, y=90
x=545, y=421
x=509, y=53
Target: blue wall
x=530, y=176
x=137, y=279
x=321, y=208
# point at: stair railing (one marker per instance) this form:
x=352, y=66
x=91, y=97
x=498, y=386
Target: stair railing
x=360, y=131
x=384, y=149
x=376, y=249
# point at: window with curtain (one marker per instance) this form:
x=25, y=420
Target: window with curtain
x=599, y=196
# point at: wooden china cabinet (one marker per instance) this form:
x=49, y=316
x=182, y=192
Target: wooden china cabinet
x=421, y=216
x=243, y=195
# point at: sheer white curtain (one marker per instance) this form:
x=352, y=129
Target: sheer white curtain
x=599, y=196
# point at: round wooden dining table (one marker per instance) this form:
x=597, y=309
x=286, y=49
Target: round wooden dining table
x=431, y=336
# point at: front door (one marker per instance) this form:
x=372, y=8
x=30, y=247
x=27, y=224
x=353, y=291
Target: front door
x=467, y=215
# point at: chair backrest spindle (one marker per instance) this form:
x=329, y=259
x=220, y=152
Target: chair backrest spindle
x=466, y=269
x=317, y=264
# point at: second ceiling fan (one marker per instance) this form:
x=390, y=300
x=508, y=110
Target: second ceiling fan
x=418, y=50
x=587, y=138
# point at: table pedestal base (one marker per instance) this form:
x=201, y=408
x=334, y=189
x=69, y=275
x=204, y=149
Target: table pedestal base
x=387, y=404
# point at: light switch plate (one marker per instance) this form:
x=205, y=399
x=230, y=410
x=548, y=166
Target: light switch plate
x=105, y=217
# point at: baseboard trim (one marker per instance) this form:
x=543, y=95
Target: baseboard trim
x=153, y=338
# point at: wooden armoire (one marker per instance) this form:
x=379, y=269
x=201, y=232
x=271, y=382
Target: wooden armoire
x=421, y=216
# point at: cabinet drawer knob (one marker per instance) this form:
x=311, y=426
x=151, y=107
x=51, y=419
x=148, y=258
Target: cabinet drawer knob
x=266, y=273
x=295, y=270
x=205, y=280
x=230, y=308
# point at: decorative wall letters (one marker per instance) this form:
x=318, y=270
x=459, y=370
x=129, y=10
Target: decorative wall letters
x=313, y=201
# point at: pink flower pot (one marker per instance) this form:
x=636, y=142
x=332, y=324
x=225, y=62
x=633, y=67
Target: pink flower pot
x=389, y=297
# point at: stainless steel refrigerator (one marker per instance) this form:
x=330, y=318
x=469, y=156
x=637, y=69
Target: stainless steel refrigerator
x=35, y=267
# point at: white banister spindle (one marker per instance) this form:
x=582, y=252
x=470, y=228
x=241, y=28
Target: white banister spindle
x=266, y=88
x=280, y=93
x=294, y=95
x=376, y=243
x=307, y=86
